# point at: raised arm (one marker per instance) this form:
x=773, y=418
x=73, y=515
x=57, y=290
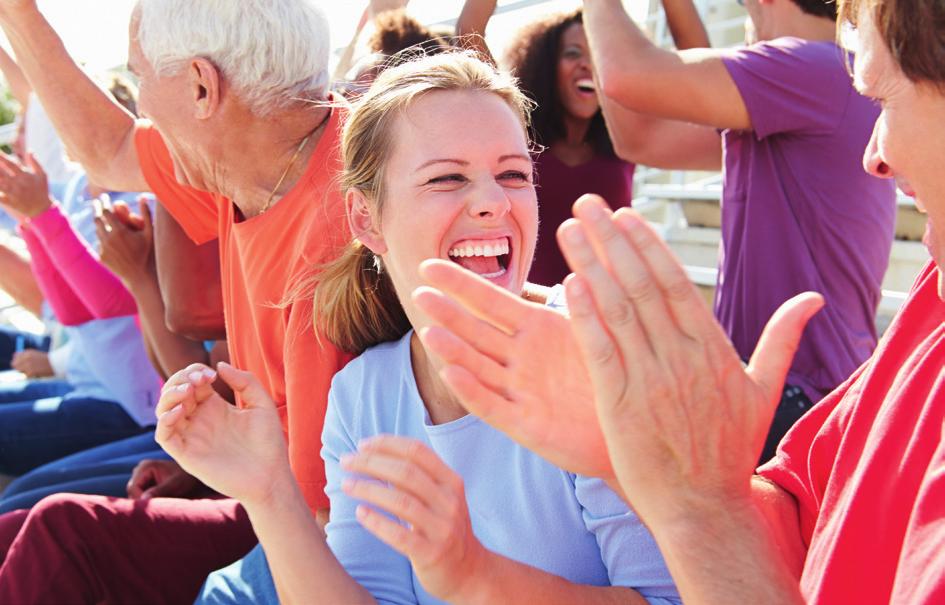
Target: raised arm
x=98, y=132
x=689, y=85
x=129, y=252
x=659, y=142
x=472, y=22
x=19, y=86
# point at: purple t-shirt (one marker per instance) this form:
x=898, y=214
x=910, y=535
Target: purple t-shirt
x=559, y=186
x=798, y=211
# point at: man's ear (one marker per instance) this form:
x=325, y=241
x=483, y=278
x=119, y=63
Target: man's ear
x=363, y=223
x=206, y=86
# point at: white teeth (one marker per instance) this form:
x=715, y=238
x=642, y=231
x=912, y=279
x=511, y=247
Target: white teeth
x=487, y=250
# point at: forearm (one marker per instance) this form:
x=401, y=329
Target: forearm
x=171, y=351
x=100, y=290
x=725, y=553
x=302, y=565
x=502, y=577
x=17, y=280
x=691, y=85
x=472, y=24
x=685, y=24
x=66, y=305
x=19, y=86
x=93, y=127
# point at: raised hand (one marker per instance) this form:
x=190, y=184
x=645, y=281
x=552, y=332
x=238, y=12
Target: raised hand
x=683, y=420
x=126, y=249
x=406, y=479
x=239, y=452
x=515, y=364
x=24, y=190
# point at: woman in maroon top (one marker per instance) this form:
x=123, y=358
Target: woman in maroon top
x=552, y=60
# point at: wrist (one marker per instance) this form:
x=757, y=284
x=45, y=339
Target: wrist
x=281, y=490
x=479, y=585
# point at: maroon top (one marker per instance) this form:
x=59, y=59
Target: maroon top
x=559, y=186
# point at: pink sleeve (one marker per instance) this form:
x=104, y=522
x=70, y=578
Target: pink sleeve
x=68, y=308
x=99, y=289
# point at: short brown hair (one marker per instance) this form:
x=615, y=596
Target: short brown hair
x=395, y=31
x=913, y=30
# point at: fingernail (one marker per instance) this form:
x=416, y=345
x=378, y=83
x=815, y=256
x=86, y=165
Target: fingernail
x=210, y=374
x=195, y=376
x=183, y=387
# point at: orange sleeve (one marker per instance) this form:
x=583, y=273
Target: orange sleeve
x=310, y=366
x=195, y=211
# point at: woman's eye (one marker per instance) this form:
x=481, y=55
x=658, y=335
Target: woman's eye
x=447, y=178
x=515, y=175
x=571, y=53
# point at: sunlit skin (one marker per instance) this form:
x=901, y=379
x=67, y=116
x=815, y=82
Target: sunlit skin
x=167, y=102
x=574, y=72
x=460, y=171
x=907, y=139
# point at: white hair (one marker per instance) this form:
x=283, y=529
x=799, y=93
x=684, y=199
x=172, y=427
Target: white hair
x=272, y=52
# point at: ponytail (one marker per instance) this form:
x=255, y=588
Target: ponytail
x=355, y=304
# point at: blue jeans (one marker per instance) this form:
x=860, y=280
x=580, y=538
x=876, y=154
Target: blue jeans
x=13, y=340
x=33, y=433
x=31, y=390
x=102, y=471
x=246, y=581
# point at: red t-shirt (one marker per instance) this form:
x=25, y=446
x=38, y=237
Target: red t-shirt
x=261, y=260
x=867, y=466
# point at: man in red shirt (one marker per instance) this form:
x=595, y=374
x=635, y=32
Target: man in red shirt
x=851, y=508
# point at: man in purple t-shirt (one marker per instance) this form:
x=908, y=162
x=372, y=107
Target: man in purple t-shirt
x=798, y=211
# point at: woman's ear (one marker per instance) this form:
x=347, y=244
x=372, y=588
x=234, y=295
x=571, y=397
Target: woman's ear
x=362, y=221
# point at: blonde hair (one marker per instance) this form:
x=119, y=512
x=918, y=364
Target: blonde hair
x=355, y=304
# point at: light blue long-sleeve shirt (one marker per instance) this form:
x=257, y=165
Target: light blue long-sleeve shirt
x=521, y=506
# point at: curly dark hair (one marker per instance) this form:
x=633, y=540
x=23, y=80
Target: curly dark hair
x=533, y=58
x=395, y=30
x=819, y=8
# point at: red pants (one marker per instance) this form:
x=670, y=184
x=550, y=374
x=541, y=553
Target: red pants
x=93, y=549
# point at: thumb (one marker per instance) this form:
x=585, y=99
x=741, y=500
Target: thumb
x=247, y=389
x=775, y=351
x=145, y=210
x=33, y=164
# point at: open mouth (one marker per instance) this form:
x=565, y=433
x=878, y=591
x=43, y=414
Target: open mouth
x=586, y=86
x=488, y=258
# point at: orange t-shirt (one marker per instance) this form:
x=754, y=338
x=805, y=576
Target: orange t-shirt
x=261, y=260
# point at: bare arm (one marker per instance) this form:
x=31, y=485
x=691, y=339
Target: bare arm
x=472, y=22
x=658, y=142
x=189, y=277
x=98, y=132
x=16, y=279
x=685, y=24
x=690, y=85
x=19, y=86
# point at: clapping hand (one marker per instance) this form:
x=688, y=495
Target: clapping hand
x=684, y=421
x=126, y=240
x=24, y=189
x=405, y=478
x=240, y=452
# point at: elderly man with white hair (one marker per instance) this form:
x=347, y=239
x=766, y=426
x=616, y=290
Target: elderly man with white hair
x=241, y=146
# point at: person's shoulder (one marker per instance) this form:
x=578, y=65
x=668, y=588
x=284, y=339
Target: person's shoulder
x=820, y=54
x=379, y=365
x=376, y=374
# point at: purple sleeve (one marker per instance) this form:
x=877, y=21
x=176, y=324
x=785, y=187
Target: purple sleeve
x=791, y=85
x=98, y=288
x=66, y=305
